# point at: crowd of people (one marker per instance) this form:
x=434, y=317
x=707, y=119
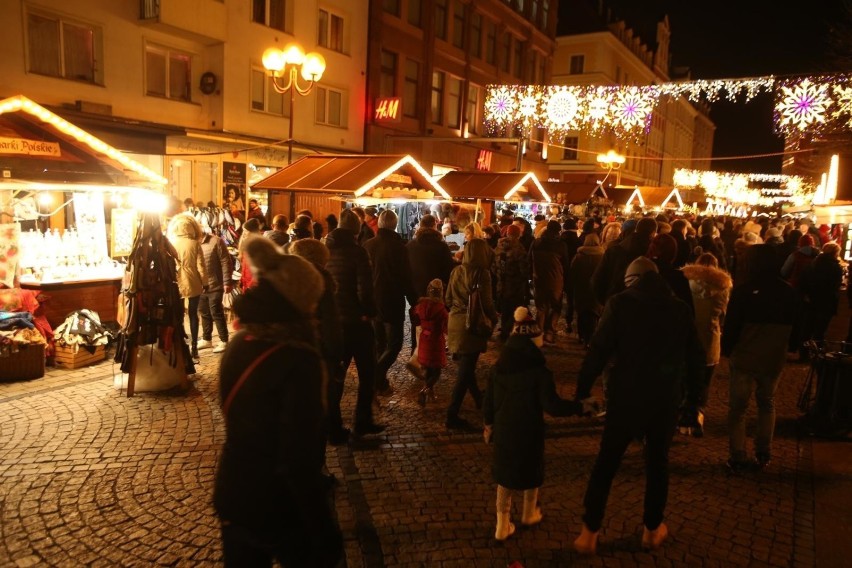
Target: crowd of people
x=656, y=302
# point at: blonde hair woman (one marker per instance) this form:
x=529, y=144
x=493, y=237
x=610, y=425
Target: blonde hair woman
x=610, y=234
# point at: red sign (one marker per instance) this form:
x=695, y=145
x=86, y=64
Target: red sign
x=483, y=161
x=388, y=110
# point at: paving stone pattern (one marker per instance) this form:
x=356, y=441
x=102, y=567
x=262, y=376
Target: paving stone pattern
x=89, y=477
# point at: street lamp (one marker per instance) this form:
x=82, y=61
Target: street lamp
x=612, y=161
x=290, y=62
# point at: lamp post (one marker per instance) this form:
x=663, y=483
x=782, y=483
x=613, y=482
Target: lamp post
x=288, y=64
x=612, y=161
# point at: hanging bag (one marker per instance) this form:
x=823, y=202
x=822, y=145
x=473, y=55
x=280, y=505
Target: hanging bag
x=476, y=322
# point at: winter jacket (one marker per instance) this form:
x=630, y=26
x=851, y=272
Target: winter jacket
x=184, y=233
x=711, y=289
x=677, y=282
x=349, y=264
x=474, y=264
x=820, y=285
x=651, y=363
x=549, y=261
x=512, y=270
x=391, y=275
x=580, y=277
x=608, y=278
x=430, y=258
x=217, y=261
x=280, y=238
x=519, y=391
x=797, y=263
x=432, y=317
x=716, y=247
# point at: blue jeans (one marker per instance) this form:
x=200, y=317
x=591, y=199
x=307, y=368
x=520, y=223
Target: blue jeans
x=741, y=385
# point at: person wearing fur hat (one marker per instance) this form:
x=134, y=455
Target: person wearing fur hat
x=185, y=234
x=519, y=392
x=646, y=376
x=710, y=288
x=270, y=494
x=432, y=316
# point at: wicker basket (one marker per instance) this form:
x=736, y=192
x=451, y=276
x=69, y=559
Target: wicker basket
x=26, y=363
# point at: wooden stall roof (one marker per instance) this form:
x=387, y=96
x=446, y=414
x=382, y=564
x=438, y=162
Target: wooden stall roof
x=620, y=194
x=496, y=186
x=44, y=148
x=575, y=193
x=348, y=175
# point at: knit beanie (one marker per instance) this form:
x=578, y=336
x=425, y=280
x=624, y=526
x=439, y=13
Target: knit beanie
x=435, y=289
x=525, y=325
x=349, y=221
x=806, y=241
x=636, y=269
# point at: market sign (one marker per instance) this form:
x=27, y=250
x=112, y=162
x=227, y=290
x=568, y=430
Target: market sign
x=29, y=147
x=398, y=178
x=387, y=110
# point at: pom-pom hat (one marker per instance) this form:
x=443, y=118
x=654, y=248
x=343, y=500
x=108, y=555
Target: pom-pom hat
x=525, y=325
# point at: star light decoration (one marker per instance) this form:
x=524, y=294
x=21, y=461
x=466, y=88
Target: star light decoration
x=820, y=103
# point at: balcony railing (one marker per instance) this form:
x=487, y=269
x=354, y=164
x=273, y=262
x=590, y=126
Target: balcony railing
x=149, y=9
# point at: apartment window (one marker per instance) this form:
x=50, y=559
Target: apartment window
x=441, y=19
x=542, y=70
x=59, y=47
x=391, y=6
x=330, y=32
x=264, y=98
x=168, y=73
x=409, y=90
x=476, y=35
x=617, y=75
x=506, y=60
x=437, y=96
x=570, y=145
x=472, y=115
x=415, y=12
x=490, y=42
x=454, y=92
x=578, y=62
x=330, y=107
x=458, y=24
x=268, y=13
x=517, y=66
x=387, y=80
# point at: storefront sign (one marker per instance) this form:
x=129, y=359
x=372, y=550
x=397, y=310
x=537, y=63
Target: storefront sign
x=399, y=178
x=388, y=110
x=29, y=147
x=483, y=160
x=234, y=188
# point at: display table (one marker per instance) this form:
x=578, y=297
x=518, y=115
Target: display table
x=100, y=296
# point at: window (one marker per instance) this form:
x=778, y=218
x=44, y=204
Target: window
x=330, y=107
x=454, y=93
x=409, y=90
x=517, y=66
x=437, y=96
x=415, y=12
x=268, y=13
x=506, y=60
x=490, y=42
x=391, y=7
x=387, y=80
x=64, y=48
x=264, y=98
x=168, y=73
x=330, y=32
x=458, y=24
x=577, y=64
x=569, y=152
x=441, y=19
x=476, y=35
x=472, y=113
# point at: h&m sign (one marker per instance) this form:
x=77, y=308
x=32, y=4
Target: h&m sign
x=388, y=109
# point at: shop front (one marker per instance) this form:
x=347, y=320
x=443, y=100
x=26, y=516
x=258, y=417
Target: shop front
x=489, y=194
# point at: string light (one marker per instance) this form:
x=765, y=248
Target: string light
x=738, y=189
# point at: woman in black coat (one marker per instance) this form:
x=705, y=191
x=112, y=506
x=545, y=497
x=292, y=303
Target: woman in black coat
x=520, y=390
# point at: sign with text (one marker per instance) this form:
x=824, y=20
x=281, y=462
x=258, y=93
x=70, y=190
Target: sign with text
x=29, y=147
x=388, y=109
x=483, y=161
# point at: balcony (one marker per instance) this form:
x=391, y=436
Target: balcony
x=200, y=20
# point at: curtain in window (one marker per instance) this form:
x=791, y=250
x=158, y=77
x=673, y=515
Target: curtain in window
x=79, y=48
x=179, y=77
x=43, y=38
x=155, y=73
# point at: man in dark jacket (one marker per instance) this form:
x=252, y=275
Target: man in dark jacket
x=572, y=241
x=349, y=264
x=757, y=329
x=210, y=307
x=650, y=363
x=391, y=286
x=549, y=262
x=429, y=255
x=512, y=269
x=608, y=278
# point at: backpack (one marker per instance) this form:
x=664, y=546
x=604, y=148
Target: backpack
x=476, y=322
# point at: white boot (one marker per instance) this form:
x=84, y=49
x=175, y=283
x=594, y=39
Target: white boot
x=532, y=512
x=505, y=528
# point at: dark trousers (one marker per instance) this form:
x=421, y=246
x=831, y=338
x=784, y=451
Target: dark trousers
x=359, y=344
x=465, y=381
x=620, y=429
x=336, y=375
x=389, y=337
x=569, y=307
x=814, y=326
x=432, y=375
x=193, y=319
x=587, y=322
x=211, y=311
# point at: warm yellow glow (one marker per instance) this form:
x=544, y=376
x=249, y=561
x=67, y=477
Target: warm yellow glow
x=273, y=60
x=676, y=194
x=638, y=196
x=402, y=161
x=313, y=67
x=45, y=199
x=611, y=159
x=294, y=54
x=528, y=177
x=831, y=181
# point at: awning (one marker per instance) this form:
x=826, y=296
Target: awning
x=495, y=186
x=573, y=193
x=351, y=175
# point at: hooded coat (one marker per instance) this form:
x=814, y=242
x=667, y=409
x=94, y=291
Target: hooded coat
x=185, y=235
x=475, y=264
x=580, y=277
x=520, y=390
x=711, y=289
x=431, y=346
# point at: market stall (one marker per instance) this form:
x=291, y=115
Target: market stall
x=489, y=193
x=321, y=183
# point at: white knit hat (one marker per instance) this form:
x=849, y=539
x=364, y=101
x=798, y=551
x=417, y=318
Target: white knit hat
x=526, y=326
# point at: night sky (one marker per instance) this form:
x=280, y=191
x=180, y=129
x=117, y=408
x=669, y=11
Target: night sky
x=739, y=39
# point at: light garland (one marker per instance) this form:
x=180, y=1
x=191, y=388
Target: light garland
x=804, y=104
x=737, y=189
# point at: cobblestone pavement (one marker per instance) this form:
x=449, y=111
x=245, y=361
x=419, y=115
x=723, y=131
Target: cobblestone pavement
x=89, y=477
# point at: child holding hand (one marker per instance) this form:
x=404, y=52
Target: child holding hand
x=432, y=316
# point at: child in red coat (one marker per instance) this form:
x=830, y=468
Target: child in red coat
x=432, y=344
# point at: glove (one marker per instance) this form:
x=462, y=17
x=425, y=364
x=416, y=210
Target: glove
x=591, y=406
x=487, y=433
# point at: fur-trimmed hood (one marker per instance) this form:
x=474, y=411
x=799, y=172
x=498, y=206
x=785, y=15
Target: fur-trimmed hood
x=293, y=277
x=713, y=277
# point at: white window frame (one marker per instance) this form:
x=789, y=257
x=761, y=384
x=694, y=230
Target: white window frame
x=319, y=98
x=325, y=40
x=98, y=45
x=268, y=92
x=167, y=54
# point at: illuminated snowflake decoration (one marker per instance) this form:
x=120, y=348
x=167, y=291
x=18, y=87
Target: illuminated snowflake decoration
x=843, y=102
x=802, y=106
x=562, y=109
x=597, y=108
x=528, y=107
x=500, y=106
x=632, y=109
